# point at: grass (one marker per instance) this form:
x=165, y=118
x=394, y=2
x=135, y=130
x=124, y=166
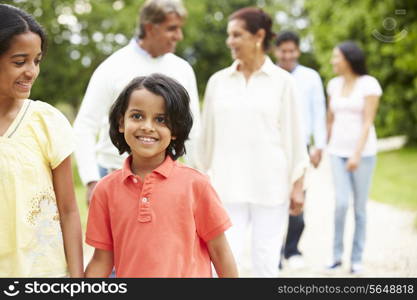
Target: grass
x=394, y=179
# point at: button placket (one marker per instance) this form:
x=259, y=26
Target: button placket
x=145, y=213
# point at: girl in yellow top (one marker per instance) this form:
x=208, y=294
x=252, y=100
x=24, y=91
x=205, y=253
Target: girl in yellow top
x=40, y=230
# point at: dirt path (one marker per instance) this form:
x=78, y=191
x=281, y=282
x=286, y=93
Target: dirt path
x=391, y=246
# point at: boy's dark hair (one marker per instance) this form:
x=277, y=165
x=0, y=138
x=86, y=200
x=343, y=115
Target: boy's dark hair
x=177, y=104
x=355, y=57
x=14, y=21
x=287, y=36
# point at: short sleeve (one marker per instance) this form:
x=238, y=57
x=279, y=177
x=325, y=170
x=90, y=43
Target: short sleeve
x=59, y=136
x=210, y=216
x=371, y=86
x=98, y=234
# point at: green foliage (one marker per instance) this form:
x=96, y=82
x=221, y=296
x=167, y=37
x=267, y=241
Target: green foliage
x=205, y=34
x=82, y=33
x=390, y=58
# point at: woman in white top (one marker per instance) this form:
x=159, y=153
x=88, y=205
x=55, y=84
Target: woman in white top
x=353, y=102
x=252, y=143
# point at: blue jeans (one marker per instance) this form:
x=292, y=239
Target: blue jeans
x=358, y=183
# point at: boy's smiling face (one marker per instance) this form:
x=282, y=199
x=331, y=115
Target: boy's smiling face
x=145, y=127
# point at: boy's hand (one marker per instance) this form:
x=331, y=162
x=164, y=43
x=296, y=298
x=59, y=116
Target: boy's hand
x=296, y=202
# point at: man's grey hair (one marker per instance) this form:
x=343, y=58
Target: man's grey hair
x=155, y=11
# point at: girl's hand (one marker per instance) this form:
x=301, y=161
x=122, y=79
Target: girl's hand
x=353, y=163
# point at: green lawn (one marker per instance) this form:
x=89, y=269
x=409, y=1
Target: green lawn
x=394, y=179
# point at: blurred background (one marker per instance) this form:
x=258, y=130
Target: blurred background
x=82, y=33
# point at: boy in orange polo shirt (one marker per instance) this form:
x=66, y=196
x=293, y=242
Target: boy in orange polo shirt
x=156, y=217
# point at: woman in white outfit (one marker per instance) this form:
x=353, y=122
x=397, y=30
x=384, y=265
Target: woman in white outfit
x=252, y=143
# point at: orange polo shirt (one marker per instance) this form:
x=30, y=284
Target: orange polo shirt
x=159, y=226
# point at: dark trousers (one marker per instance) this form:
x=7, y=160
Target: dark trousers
x=295, y=230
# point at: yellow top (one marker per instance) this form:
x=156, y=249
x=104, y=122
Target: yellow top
x=36, y=142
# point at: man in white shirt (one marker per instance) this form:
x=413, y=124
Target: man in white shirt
x=312, y=101
x=160, y=28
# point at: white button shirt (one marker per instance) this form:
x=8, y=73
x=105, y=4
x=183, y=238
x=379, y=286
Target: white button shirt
x=91, y=126
x=252, y=142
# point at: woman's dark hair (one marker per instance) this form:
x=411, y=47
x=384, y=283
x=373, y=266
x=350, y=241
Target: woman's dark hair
x=14, y=21
x=355, y=57
x=287, y=36
x=177, y=104
x=255, y=19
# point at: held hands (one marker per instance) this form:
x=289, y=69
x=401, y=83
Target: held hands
x=353, y=163
x=296, y=201
x=315, y=157
x=90, y=187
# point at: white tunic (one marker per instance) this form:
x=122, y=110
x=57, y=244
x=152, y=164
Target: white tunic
x=252, y=142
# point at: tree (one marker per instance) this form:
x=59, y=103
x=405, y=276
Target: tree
x=81, y=34
x=205, y=34
x=387, y=31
